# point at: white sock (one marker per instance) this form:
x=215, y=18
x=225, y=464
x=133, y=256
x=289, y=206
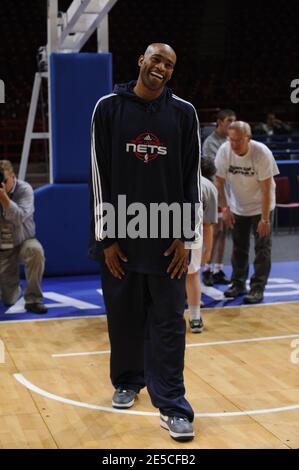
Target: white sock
x=218, y=267
x=194, y=312
x=207, y=267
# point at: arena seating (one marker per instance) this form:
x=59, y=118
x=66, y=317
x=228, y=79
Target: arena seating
x=247, y=82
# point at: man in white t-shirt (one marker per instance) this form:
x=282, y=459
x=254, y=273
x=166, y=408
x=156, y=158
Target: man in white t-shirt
x=248, y=167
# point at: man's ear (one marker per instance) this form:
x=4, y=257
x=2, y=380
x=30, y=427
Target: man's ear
x=140, y=60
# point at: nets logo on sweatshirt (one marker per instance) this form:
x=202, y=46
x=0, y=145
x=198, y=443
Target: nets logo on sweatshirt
x=146, y=147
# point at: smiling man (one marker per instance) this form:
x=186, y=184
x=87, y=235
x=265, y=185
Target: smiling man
x=156, y=68
x=145, y=145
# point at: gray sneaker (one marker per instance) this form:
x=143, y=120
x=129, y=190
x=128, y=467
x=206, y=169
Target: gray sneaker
x=179, y=429
x=123, y=398
x=196, y=326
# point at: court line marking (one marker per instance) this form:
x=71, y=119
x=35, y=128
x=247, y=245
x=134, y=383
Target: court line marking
x=204, y=309
x=22, y=380
x=190, y=345
x=78, y=317
x=220, y=307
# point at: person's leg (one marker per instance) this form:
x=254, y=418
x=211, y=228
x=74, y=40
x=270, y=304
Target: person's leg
x=210, y=233
x=219, y=276
x=221, y=239
x=165, y=346
x=124, y=300
x=193, y=281
x=262, y=260
x=216, y=234
x=193, y=289
x=31, y=255
x=194, y=302
x=240, y=255
x=9, y=276
x=208, y=230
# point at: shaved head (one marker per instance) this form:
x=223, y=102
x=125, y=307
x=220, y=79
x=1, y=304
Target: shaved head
x=159, y=46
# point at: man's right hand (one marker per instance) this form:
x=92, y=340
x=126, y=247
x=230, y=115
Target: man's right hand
x=228, y=217
x=113, y=254
x=4, y=199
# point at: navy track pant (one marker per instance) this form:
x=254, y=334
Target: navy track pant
x=147, y=329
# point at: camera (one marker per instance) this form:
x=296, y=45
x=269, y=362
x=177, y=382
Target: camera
x=2, y=177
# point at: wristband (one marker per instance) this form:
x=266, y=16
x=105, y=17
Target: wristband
x=265, y=221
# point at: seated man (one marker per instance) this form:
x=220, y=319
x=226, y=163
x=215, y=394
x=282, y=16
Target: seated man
x=273, y=126
x=17, y=243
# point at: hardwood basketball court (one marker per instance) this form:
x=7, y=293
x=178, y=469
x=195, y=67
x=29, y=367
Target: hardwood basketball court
x=243, y=385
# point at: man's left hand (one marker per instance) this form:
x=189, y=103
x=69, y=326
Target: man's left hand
x=263, y=228
x=179, y=263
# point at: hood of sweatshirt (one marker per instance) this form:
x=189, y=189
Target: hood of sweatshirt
x=127, y=90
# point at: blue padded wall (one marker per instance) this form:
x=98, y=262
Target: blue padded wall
x=62, y=226
x=77, y=82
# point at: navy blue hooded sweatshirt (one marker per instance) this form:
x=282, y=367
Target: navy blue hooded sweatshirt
x=148, y=151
